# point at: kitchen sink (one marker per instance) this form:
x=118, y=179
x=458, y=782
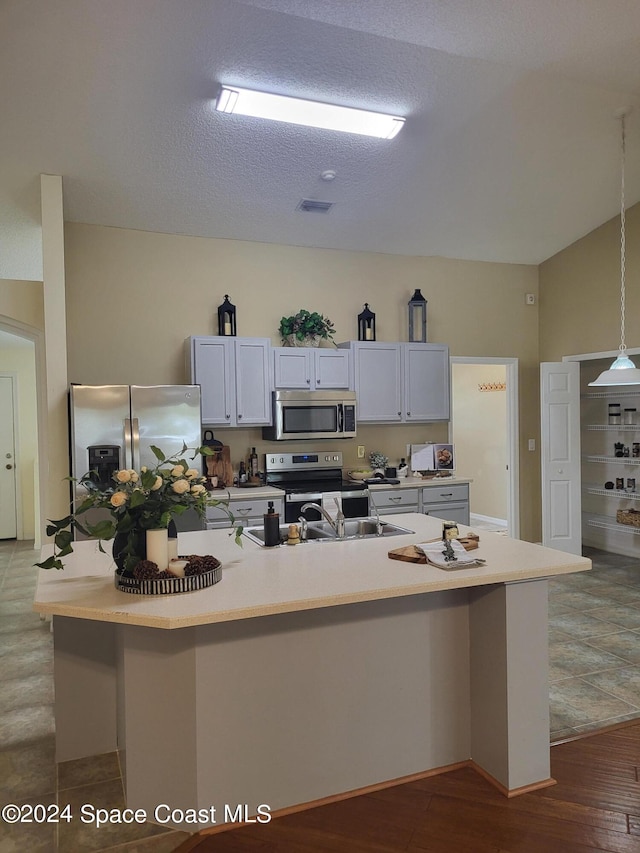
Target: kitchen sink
x=322, y=531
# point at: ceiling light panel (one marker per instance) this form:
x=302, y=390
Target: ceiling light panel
x=246, y=102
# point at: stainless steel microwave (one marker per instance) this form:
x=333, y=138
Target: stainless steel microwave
x=312, y=414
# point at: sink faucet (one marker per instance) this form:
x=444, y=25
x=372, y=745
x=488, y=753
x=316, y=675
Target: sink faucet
x=372, y=505
x=337, y=524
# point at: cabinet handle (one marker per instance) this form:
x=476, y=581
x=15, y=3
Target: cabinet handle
x=399, y=414
x=244, y=511
x=228, y=417
x=408, y=414
x=239, y=417
x=395, y=500
x=308, y=382
x=446, y=494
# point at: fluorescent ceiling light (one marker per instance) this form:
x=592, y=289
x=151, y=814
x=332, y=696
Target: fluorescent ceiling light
x=246, y=102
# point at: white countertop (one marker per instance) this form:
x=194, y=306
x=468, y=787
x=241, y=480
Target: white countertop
x=259, y=581
x=419, y=483
x=238, y=493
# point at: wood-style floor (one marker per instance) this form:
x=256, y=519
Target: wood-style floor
x=594, y=806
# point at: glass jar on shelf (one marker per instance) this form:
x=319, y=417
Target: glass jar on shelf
x=629, y=416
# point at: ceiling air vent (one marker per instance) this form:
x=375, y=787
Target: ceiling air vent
x=309, y=205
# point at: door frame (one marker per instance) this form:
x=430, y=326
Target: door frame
x=13, y=376
x=36, y=336
x=513, y=433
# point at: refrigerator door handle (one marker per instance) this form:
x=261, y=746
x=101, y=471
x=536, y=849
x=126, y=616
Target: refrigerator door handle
x=127, y=461
x=135, y=443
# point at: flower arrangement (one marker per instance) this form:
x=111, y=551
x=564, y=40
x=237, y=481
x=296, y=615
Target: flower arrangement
x=305, y=325
x=138, y=501
x=378, y=460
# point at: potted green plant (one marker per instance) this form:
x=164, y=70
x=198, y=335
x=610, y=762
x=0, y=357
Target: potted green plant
x=306, y=328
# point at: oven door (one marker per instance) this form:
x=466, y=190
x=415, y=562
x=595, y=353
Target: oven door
x=355, y=504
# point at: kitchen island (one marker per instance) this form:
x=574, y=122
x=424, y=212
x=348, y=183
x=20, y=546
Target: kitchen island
x=308, y=671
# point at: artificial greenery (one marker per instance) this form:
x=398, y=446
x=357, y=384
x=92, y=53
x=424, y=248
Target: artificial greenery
x=306, y=324
x=378, y=460
x=137, y=502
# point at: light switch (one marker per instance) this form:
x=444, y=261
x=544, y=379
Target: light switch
x=361, y=451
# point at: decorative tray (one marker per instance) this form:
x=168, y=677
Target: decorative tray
x=168, y=586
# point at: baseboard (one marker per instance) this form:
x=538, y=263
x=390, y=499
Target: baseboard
x=511, y=792
x=487, y=519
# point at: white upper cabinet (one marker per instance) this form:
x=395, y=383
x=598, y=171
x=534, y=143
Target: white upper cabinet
x=400, y=382
x=234, y=375
x=426, y=382
x=310, y=368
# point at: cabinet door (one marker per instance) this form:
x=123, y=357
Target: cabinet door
x=331, y=368
x=456, y=511
x=378, y=381
x=292, y=367
x=253, y=381
x=211, y=369
x=426, y=382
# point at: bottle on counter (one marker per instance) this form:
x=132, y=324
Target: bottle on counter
x=271, y=526
x=402, y=468
x=242, y=473
x=253, y=463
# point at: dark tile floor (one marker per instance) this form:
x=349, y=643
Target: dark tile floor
x=594, y=673
x=28, y=772
x=594, y=645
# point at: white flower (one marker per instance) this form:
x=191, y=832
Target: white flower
x=177, y=471
x=197, y=489
x=157, y=484
x=191, y=473
x=118, y=498
x=180, y=487
x=123, y=476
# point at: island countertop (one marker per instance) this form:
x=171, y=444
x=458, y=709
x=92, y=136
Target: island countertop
x=258, y=581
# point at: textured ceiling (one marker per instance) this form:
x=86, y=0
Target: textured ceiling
x=510, y=150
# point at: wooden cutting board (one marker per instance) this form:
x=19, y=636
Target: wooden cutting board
x=219, y=466
x=409, y=554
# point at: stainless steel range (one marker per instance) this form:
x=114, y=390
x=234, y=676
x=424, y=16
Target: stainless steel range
x=305, y=477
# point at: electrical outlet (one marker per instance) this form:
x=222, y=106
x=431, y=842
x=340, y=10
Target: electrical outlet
x=532, y=444
x=530, y=299
x=361, y=451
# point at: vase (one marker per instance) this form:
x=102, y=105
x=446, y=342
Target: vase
x=311, y=341
x=120, y=546
x=158, y=547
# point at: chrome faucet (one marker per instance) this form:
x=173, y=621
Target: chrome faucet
x=337, y=524
x=372, y=505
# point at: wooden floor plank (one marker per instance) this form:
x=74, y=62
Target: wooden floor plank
x=595, y=806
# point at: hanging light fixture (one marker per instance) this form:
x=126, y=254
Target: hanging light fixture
x=623, y=371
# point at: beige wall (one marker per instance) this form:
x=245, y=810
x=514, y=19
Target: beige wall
x=22, y=301
x=133, y=297
x=580, y=293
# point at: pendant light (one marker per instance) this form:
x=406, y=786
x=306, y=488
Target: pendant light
x=623, y=371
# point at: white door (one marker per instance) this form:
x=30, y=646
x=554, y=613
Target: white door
x=560, y=410
x=8, y=515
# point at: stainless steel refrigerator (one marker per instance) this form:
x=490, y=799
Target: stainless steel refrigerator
x=114, y=426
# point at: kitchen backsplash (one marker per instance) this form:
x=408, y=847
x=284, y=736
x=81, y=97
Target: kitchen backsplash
x=390, y=440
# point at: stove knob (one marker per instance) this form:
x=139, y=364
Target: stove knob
x=336, y=458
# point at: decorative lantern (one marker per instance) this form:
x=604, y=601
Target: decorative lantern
x=418, y=317
x=366, y=324
x=227, y=318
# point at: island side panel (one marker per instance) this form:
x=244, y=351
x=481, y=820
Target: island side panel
x=85, y=686
x=510, y=682
x=309, y=705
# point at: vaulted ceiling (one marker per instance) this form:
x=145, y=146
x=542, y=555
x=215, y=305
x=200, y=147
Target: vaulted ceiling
x=510, y=149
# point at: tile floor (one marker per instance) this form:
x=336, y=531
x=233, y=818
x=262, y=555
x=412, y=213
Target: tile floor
x=594, y=645
x=594, y=672
x=28, y=772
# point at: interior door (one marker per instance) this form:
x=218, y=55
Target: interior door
x=8, y=493
x=560, y=410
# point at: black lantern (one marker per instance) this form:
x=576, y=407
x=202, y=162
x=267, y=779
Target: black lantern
x=227, y=318
x=418, y=317
x=366, y=324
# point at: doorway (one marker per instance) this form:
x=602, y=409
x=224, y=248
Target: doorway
x=8, y=439
x=484, y=428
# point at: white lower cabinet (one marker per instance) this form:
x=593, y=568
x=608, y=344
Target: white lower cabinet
x=389, y=501
x=247, y=512
x=449, y=502
x=234, y=375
